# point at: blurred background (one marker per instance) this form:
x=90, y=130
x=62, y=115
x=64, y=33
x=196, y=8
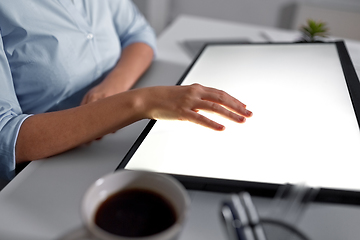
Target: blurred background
x=342, y=16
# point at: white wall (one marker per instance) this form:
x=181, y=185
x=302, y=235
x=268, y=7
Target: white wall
x=261, y=12
x=342, y=22
x=157, y=12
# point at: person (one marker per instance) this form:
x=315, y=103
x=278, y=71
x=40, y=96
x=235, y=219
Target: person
x=66, y=72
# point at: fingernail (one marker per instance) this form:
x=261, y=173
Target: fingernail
x=240, y=119
x=249, y=113
x=221, y=127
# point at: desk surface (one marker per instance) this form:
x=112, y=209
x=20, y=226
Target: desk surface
x=43, y=201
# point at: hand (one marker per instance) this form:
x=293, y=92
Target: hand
x=103, y=90
x=184, y=102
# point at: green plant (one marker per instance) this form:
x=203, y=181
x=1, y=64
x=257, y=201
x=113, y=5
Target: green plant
x=314, y=30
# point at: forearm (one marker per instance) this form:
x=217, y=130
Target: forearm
x=47, y=134
x=134, y=60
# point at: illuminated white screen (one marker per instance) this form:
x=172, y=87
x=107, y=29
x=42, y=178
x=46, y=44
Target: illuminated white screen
x=303, y=130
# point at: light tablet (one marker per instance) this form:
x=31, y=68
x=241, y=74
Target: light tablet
x=304, y=129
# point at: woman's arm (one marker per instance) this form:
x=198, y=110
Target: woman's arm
x=47, y=134
x=134, y=60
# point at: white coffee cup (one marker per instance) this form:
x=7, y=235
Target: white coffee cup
x=165, y=186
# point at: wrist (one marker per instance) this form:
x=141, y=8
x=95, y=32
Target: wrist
x=140, y=103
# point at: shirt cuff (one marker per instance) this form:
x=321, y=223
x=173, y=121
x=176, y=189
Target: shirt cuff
x=8, y=138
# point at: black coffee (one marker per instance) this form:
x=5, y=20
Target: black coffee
x=135, y=213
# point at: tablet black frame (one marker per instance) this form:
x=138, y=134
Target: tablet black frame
x=260, y=188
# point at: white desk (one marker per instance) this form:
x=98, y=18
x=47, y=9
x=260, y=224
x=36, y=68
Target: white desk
x=189, y=27
x=43, y=201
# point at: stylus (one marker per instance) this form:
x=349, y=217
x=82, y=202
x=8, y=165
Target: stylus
x=254, y=219
x=241, y=219
x=228, y=219
x=235, y=229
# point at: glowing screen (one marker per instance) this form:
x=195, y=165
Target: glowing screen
x=304, y=129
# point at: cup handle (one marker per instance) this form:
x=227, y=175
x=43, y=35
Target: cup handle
x=80, y=233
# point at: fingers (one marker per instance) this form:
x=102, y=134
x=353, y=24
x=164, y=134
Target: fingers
x=204, y=121
x=222, y=98
x=85, y=100
x=216, y=101
x=216, y=108
x=96, y=93
x=184, y=103
x=92, y=97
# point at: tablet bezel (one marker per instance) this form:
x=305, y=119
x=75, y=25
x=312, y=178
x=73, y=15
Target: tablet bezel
x=261, y=188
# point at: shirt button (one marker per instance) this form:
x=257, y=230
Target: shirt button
x=90, y=36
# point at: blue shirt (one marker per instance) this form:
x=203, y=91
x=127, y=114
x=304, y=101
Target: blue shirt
x=52, y=52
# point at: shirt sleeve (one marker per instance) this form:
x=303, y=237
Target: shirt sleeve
x=11, y=118
x=131, y=25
